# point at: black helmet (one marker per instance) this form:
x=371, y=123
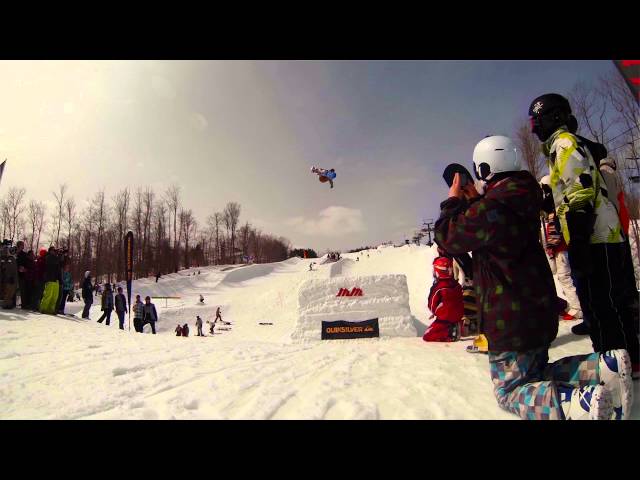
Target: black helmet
x=548, y=112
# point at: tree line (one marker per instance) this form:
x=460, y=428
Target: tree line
x=167, y=235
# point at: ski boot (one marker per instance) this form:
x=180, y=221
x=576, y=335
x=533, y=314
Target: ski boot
x=586, y=403
x=615, y=375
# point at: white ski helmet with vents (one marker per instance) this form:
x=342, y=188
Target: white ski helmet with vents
x=495, y=154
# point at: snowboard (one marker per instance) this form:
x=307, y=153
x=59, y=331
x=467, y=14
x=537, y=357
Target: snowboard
x=265, y=323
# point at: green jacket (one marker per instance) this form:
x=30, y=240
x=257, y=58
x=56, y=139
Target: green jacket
x=577, y=184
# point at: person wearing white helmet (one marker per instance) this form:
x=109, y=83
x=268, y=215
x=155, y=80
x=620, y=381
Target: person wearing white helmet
x=557, y=253
x=592, y=229
x=517, y=296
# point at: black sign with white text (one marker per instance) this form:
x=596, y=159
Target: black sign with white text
x=341, y=329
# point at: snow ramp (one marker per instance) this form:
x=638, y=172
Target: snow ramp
x=385, y=297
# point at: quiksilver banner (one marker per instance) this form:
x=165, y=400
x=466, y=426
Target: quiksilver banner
x=341, y=329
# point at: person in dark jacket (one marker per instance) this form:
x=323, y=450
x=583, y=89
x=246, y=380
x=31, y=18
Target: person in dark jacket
x=121, y=307
x=107, y=304
x=178, y=331
x=149, y=314
x=138, y=308
x=517, y=297
x=24, y=265
x=87, y=294
x=185, y=330
x=38, y=279
x=199, y=326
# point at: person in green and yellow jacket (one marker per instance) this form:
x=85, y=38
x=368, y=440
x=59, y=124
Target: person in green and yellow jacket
x=590, y=226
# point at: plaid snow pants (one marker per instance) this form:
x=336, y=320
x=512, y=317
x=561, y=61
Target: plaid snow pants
x=525, y=383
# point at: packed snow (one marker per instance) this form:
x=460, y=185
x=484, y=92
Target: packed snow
x=69, y=368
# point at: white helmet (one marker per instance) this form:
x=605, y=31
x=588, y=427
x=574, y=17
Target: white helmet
x=546, y=180
x=493, y=155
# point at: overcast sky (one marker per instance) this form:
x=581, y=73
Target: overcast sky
x=250, y=131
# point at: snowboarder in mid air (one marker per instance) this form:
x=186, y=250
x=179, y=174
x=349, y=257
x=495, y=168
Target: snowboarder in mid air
x=325, y=175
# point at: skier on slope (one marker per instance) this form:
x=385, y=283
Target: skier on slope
x=590, y=226
x=517, y=305
x=325, y=175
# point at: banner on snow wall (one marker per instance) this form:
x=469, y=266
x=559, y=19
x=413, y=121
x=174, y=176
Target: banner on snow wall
x=341, y=329
x=128, y=255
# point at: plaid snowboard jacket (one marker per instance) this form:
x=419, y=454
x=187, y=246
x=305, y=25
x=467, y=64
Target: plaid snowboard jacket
x=516, y=295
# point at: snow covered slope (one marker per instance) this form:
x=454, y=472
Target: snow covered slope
x=63, y=367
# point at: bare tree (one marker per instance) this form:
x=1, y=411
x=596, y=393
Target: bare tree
x=231, y=218
x=59, y=196
x=530, y=148
x=101, y=218
x=70, y=218
x=172, y=196
x=36, y=214
x=121, y=208
x=14, y=207
x=593, y=112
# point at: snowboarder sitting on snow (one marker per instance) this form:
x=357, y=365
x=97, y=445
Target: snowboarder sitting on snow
x=325, y=175
x=445, y=302
x=201, y=299
x=178, y=331
x=517, y=295
x=185, y=330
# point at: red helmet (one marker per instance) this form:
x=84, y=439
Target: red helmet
x=443, y=268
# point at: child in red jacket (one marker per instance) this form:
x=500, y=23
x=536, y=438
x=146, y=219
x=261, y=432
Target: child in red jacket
x=445, y=303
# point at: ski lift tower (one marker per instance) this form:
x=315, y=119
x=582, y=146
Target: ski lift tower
x=427, y=228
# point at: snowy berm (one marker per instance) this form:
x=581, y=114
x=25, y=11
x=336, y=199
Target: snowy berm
x=69, y=368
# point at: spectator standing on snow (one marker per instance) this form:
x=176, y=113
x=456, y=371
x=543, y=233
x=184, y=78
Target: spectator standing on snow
x=87, y=294
x=615, y=193
x=138, y=308
x=121, y=307
x=218, y=316
x=67, y=286
x=199, y=326
x=557, y=253
x=185, y=330
x=52, y=281
x=106, y=304
x=517, y=296
x=24, y=265
x=149, y=314
x=591, y=227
